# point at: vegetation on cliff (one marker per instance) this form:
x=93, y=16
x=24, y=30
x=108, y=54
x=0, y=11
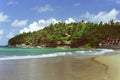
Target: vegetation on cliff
x=73, y=35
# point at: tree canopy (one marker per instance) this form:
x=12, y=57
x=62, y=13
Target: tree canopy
x=77, y=34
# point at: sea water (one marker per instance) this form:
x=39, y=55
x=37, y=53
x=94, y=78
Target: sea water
x=7, y=53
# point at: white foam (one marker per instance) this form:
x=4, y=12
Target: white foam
x=103, y=51
x=95, y=52
x=27, y=57
x=35, y=56
x=87, y=52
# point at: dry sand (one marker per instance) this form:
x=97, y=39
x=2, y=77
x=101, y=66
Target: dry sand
x=113, y=65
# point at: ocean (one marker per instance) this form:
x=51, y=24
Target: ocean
x=7, y=53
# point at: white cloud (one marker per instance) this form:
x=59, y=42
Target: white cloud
x=3, y=17
x=40, y=24
x=118, y=1
x=18, y=23
x=45, y=8
x=70, y=20
x=1, y=33
x=102, y=16
x=11, y=3
x=10, y=35
x=76, y=4
x=115, y=1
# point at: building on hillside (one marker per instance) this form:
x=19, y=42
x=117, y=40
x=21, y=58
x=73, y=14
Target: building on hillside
x=110, y=43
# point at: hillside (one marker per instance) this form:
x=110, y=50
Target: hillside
x=70, y=35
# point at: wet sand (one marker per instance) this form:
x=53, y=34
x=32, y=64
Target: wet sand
x=62, y=68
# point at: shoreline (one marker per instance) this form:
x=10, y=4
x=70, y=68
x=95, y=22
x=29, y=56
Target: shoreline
x=102, y=67
x=80, y=53
x=98, y=64
x=57, y=68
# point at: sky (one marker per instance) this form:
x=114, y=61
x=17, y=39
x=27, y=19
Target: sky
x=18, y=16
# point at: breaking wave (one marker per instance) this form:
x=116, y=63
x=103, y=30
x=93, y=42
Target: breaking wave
x=56, y=54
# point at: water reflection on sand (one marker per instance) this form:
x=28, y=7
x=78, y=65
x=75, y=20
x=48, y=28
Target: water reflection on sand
x=57, y=68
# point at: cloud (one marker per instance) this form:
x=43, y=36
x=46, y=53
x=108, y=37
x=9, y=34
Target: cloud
x=1, y=33
x=45, y=8
x=18, y=23
x=76, y=4
x=3, y=17
x=70, y=20
x=11, y=3
x=114, y=1
x=117, y=1
x=102, y=16
x=40, y=24
x=10, y=35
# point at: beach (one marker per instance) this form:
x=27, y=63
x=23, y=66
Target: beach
x=113, y=65
x=106, y=67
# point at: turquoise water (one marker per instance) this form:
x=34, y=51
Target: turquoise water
x=20, y=53
x=5, y=51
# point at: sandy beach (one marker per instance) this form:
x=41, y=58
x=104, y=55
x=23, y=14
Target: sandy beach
x=62, y=68
x=113, y=65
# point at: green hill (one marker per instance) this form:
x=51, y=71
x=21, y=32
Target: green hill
x=72, y=35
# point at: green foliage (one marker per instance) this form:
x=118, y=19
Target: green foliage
x=87, y=46
x=79, y=34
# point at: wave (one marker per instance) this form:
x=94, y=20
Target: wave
x=95, y=52
x=35, y=56
x=78, y=53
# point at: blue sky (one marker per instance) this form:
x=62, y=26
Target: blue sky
x=18, y=16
